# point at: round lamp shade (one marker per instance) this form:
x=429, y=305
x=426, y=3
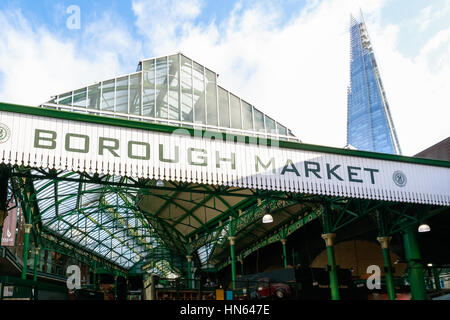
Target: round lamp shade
x=424, y=228
x=267, y=218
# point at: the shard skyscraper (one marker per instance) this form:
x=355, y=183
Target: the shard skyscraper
x=369, y=122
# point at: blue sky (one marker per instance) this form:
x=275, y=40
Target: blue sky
x=290, y=58
x=51, y=14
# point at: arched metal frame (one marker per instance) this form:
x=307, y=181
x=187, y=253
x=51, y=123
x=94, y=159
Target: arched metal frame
x=105, y=216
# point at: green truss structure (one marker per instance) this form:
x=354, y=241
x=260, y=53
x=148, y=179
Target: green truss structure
x=130, y=226
x=120, y=223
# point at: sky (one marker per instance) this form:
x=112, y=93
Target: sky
x=289, y=58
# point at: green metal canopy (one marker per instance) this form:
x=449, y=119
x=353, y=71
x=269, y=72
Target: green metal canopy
x=134, y=223
x=142, y=224
x=129, y=222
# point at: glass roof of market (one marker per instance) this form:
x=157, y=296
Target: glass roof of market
x=172, y=90
x=130, y=227
x=151, y=229
x=100, y=218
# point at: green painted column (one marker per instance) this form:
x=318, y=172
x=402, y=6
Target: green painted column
x=241, y=261
x=390, y=287
x=189, y=271
x=153, y=288
x=334, y=285
x=36, y=262
x=415, y=267
x=283, y=242
x=42, y=259
x=49, y=262
x=437, y=281
x=4, y=173
x=127, y=287
x=95, y=278
x=115, y=287
x=233, y=262
x=25, y=250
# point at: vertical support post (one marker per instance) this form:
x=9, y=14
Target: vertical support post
x=41, y=259
x=384, y=240
x=334, y=286
x=193, y=282
x=115, y=287
x=428, y=280
x=232, y=239
x=189, y=272
x=28, y=216
x=127, y=287
x=233, y=262
x=25, y=249
x=200, y=297
x=49, y=262
x=144, y=287
x=36, y=262
x=415, y=267
x=95, y=276
x=189, y=264
x=283, y=242
x=390, y=288
x=4, y=173
x=241, y=261
x=437, y=281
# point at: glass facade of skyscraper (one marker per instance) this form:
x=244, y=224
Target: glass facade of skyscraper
x=369, y=123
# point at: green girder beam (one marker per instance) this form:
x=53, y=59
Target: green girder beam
x=127, y=227
x=157, y=220
x=165, y=204
x=56, y=205
x=213, y=222
x=190, y=212
x=134, y=184
x=71, y=249
x=275, y=236
x=107, y=231
x=86, y=235
x=79, y=195
x=401, y=225
x=344, y=211
x=247, y=218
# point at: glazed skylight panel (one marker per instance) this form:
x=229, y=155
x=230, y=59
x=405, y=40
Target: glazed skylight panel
x=78, y=228
x=204, y=252
x=172, y=90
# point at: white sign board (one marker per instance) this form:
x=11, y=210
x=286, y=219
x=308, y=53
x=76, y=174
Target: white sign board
x=44, y=142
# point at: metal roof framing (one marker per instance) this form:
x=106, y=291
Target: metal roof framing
x=121, y=222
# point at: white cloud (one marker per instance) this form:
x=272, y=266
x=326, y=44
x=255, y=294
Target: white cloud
x=296, y=71
x=299, y=73
x=417, y=88
x=160, y=20
x=431, y=14
x=37, y=64
x=425, y=18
